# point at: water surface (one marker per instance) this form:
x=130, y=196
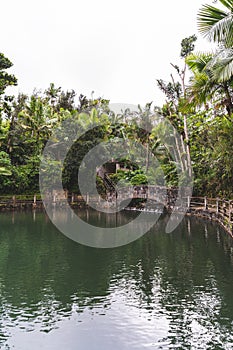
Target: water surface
x=163, y=291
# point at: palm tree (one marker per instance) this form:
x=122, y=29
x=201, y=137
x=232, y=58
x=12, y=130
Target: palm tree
x=204, y=85
x=217, y=25
x=201, y=87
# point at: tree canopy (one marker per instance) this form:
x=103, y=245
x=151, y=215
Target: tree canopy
x=200, y=108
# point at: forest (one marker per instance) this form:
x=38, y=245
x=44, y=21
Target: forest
x=198, y=103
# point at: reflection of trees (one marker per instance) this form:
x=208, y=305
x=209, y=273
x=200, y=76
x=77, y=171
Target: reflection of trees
x=42, y=272
x=183, y=276
x=193, y=288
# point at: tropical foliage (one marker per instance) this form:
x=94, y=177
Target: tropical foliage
x=216, y=24
x=200, y=109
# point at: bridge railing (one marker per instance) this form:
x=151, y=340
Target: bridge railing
x=16, y=201
x=219, y=209
x=221, y=206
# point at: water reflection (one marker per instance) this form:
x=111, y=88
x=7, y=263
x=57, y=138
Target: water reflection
x=164, y=291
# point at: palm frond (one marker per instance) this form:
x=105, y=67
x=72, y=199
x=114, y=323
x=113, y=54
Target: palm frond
x=223, y=67
x=216, y=24
x=4, y=171
x=200, y=89
x=198, y=61
x=227, y=3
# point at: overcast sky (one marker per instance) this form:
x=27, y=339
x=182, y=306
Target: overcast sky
x=115, y=48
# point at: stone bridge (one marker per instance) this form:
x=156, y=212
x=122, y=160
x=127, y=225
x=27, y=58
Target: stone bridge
x=168, y=197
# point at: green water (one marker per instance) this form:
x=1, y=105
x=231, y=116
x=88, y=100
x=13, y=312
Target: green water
x=163, y=291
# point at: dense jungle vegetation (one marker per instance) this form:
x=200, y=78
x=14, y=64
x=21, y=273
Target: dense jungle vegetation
x=199, y=104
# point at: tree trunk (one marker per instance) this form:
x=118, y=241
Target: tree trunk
x=187, y=146
x=229, y=103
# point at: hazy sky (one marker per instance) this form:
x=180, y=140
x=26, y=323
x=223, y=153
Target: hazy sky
x=115, y=48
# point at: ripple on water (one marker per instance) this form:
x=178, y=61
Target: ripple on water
x=160, y=292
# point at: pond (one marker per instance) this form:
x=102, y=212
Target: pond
x=162, y=291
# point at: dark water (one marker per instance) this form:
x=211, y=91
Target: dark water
x=163, y=291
